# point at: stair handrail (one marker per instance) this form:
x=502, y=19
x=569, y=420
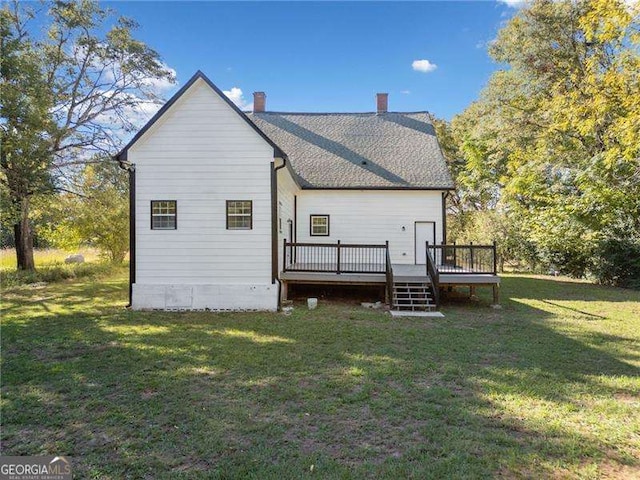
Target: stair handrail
x=389, y=274
x=433, y=274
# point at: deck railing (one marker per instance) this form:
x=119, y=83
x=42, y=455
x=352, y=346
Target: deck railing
x=334, y=258
x=434, y=275
x=339, y=258
x=464, y=259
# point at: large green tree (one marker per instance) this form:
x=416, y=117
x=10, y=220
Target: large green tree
x=553, y=140
x=25, y=148
x=68, y=94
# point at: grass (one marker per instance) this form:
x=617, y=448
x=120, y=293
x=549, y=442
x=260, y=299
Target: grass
x=43, y=257
x=547, y=387
x=50, y=267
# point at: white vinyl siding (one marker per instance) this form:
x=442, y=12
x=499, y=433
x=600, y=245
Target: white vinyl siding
x=371, y=217
x=287, y=190
x=201, y=153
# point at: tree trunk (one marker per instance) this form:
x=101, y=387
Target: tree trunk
x=24, y=238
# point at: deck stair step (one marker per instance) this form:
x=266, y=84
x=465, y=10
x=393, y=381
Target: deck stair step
x=413, y=296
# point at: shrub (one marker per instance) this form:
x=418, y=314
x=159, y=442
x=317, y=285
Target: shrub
x=617, y=262
x=572, y=257
x=484, y=227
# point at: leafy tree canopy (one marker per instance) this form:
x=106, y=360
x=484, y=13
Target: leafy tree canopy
x=67, y=96
x=552, y=142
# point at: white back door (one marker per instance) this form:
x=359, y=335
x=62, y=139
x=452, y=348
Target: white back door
x=424, y=232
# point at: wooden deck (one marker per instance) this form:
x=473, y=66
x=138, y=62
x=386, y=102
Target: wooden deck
x=370, y=264
x=325, y=273
x=403, y=272
x=334, y=278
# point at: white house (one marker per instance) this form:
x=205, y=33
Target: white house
x=228, y=207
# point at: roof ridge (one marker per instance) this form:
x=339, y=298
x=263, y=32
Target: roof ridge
x=335, y=113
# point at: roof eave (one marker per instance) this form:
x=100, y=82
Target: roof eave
x=376, y=187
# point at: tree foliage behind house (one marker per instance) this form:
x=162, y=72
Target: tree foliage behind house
x=97, y=215
x=553, y=142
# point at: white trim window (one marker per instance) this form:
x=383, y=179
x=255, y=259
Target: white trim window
x=319, y=225
x=164, y=215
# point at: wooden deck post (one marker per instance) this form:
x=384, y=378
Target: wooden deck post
x=284, y=291
x=338, y=259
x=284, y=255
x=496, y=294
x=455, y=255
x=495, y=257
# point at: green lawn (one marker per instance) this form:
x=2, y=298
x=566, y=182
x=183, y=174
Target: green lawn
x=549, y=386
x=43, y=258
x=50, y=267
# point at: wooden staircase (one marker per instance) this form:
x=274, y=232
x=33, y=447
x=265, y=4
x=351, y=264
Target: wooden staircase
x=413, y=295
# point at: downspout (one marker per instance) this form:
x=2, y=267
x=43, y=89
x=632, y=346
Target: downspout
x=131, y=169
x=274, y=226
x=295, y=224
x=445, y=195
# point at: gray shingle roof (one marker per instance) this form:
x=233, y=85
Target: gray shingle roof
x=351, y=150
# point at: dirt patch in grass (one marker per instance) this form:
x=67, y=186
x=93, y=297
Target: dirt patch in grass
x=355, y=441
x=337, y=294
x=627, y=398
x=69, y=352
x=614, y=470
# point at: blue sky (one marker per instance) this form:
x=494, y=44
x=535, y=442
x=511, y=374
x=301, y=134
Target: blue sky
x=329, y=56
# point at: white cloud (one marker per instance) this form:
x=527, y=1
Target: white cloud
x=142, y=112
x=237, y=97
x=524, y=3
x=158, y=87
x=424, y=66
x=162, y=85
x=514, y=3
x=405, y=92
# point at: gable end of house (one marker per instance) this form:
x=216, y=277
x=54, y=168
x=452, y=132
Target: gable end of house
x=121, y=157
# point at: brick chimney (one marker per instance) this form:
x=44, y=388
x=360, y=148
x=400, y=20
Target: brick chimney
x=382, y=101
x=259, y=102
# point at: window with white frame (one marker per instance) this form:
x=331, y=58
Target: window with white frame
x=164, y=215
x=239, y=214
x=319, y=225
